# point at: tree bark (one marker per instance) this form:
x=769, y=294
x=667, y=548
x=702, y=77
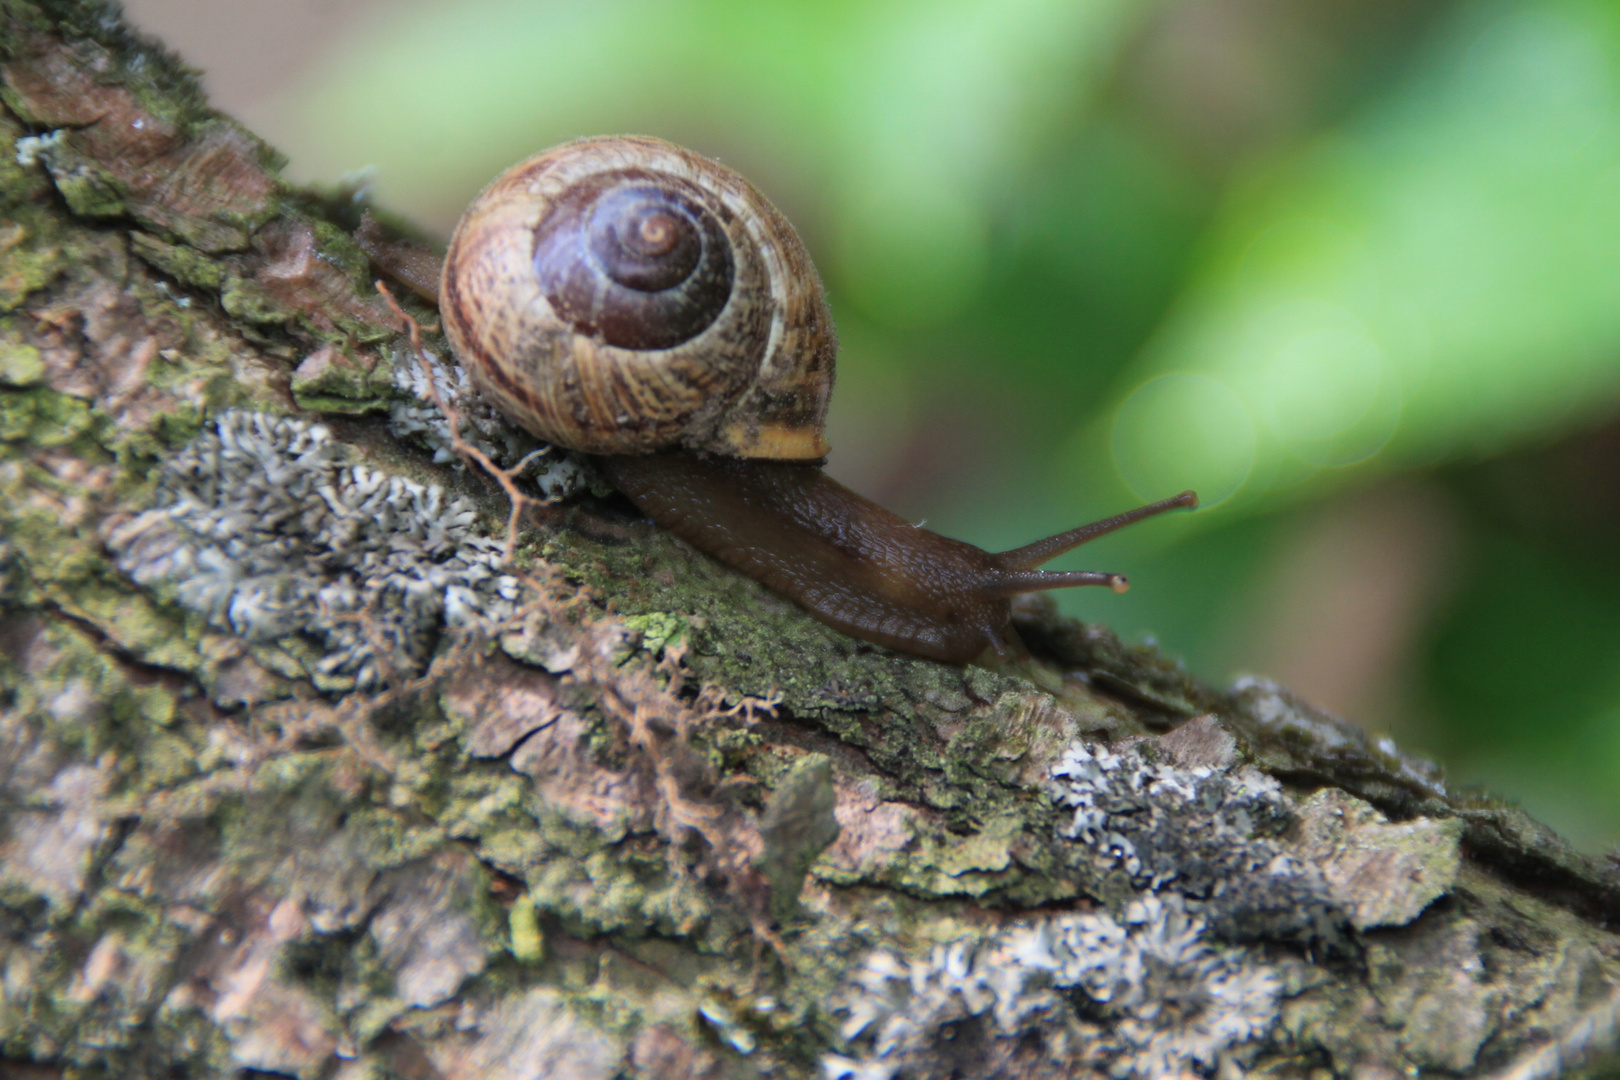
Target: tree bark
x=311, y=767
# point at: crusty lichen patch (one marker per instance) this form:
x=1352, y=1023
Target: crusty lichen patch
x=1160, y=1001
x=1185, y=843
x=1207, y=832
x=430, y=392
x=263, y=527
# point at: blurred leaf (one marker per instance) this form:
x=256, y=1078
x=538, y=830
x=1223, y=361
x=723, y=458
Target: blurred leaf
x=1530, y=649
x=894, y=123
x=1087, y=250
x=1437, y=280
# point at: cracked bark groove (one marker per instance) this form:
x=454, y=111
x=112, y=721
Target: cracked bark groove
x=300, y=775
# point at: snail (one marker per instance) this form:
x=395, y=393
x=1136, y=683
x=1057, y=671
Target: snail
x=630, y=299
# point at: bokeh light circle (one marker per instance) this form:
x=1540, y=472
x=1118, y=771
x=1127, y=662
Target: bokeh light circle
x=1184, y=430
x=1329, y=393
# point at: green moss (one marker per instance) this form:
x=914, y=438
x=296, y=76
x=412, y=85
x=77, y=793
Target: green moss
x=185, y=264
x=657, y=630
x=53, y=560
x=797, y=825
x=585, y=878
x=248, y=301
x=176, y=428
x=87, y=702
x=167, y=759
x=335, y=380
x=27, y=268
x=92, y=191
x=527, y=943
x=164, y=85
x=30, y=255
x=16, y=416
x=20, y=365
x=754, y=643
x=58, y=418
x=337, y=247
x=134, y=938
x=20, y=184
x=61, y=561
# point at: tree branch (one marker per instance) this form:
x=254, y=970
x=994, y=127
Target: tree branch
x=314, y=766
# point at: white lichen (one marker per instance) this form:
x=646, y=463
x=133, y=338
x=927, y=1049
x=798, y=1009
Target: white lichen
x=1160, y=986
x=264, y=527
x=1292, y=722
x=1207, y=832
x=32, y=149
x=1160, y=998
x=1127, y=806
x=433, y=385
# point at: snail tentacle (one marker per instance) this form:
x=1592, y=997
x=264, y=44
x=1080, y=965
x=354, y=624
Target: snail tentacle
x=627, y=298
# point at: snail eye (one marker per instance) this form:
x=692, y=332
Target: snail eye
x=637, y=265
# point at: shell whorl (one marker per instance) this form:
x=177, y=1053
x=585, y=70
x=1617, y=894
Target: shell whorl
x=624, y=295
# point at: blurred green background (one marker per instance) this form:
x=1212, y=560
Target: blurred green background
x=1350, y=268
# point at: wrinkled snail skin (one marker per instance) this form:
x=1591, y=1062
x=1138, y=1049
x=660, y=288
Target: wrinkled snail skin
x=627, y=298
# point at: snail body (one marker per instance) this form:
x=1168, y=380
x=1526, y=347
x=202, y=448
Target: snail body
x=627, y=298
x=851, y=563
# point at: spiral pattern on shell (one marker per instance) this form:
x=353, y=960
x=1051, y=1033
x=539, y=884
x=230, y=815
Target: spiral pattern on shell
x=625, y=295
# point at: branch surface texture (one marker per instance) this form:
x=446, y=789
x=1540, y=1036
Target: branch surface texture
x=347, y=733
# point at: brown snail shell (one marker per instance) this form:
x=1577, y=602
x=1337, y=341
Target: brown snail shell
x=623, y=295
x=630, y=299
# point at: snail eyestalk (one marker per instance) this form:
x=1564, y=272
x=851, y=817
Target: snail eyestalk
x=1023, y=581
x=1022, y=576
x=1030, y=556
x=626, y=298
